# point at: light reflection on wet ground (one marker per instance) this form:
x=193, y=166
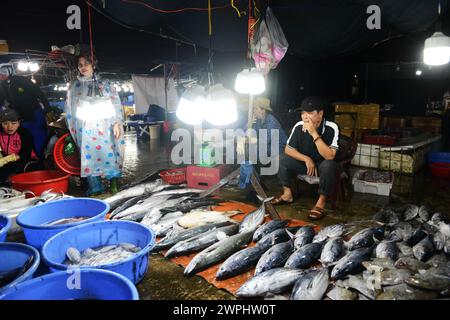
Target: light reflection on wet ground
x=165, y=279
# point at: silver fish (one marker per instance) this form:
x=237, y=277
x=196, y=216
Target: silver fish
x=358, y=283
x=311, y=286
x=218, y=252
x=273, y=281
x=350, y=263
x=405, y=292
x=275, y=257
x=333, y=231
x=411, y=212
x=269, y=227
x=411, y=264
x=423, y=250
x=201, y=241
x=424, y=213
x=135, y=191
x=333, y=250
x=239, y=262
x=303, y=236
x=439, y=241
x=252, y=220
x=387, y=249
x=155, y=214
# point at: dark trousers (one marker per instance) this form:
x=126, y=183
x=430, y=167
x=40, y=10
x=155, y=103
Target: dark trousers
x=290, y=168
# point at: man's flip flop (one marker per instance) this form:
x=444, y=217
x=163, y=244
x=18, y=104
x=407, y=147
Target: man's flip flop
x=280, y=201
x=316, y=213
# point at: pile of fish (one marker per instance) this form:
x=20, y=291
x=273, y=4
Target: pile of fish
x=13, y=208
x=403, y=255
x=165, y=208
x=100, y=256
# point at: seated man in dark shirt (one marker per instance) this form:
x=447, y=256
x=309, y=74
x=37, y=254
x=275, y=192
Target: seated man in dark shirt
x=16, y=146
x=311, y=149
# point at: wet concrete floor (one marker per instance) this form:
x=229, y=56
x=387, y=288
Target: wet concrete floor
x=165, y=279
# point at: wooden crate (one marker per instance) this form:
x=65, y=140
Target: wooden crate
x=367, y=115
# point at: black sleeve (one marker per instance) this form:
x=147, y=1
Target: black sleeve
x=27, y=145
x=294, y=137
x=41, y=96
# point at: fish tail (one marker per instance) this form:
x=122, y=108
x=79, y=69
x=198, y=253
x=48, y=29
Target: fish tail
x=265, y=200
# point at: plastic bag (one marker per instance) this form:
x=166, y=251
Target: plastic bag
x=269, y=43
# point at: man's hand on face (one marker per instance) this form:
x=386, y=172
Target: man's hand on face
x=309, y=126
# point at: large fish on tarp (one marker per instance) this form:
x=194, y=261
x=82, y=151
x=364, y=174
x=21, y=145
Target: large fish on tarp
x=273, y=281
x=252, y=220
x=269, y=227
x=200, y=218
x=174, y=237
x=239, y=262
x=311, y=286
x=201, y=241
x=218, y=252
x=122, y=196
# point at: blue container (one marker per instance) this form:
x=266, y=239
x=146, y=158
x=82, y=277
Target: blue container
x=442, y=157
x=5, y=225
x=33, y=220
x=84, y=284
x=15, y=255
x=99, y=234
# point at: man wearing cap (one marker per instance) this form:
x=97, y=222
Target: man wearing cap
x=311, y=149
x=16, y=146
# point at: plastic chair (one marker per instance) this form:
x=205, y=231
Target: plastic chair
x=342, y=186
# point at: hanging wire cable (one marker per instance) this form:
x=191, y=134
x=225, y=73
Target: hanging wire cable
x=237, y=10
x=210, y=66
x=90, y=32
x=173, y=11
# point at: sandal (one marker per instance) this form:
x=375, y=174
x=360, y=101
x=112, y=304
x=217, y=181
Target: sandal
x=280, y=201
x=316, y=213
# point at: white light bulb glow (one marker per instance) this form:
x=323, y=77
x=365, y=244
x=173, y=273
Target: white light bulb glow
x=437, y=50
x=250, y=82
x=191, y=107
x=221, y=109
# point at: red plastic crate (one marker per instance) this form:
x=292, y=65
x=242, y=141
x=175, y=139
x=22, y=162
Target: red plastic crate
x=204, y=178
x=379, y=140
x=440, y=169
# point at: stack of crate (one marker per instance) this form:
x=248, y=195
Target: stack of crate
x=428, y=124
x=354, y=119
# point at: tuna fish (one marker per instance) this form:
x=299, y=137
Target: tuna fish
x=269, y=227
x=304, y=257
x=218, y=252
x=411, y=264
x=424, y=213
x=139, y=190
x=387, y=250
x=415, y=237
x=201, y=241
x=333, y=250
x=277, y=236
x=436, y=279
x=423, y=250
x=411, y=212
x=333, y=231
x=439, y=241
x=311, y=286
x=255, y=218
x=239, y=262
x=275, y=257
x=199, y=218
x=273, y=281
x=304, y=236
x=351, y=263
x=388, y=217
x=175, y=237
x=365, y=238
x=405, y=292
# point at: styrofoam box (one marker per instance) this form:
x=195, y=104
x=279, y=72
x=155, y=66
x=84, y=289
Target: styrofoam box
x=379, y=188
x=367, y=155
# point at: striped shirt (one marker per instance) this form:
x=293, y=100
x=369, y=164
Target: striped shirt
x=303, y=142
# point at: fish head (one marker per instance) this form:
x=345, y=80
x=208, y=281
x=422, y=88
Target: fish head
x=379, y=233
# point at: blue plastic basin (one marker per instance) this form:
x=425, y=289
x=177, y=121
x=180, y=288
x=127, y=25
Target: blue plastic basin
x=439, y=157
x=13, y=256
x=84, y=284
x=33, y=219
x=5, y=225
x=99, y=234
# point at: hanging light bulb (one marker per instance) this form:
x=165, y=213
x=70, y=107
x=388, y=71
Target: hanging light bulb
x=437, y=47
x=33, y=66
x=418, y=72
x=33, y=79
x=23, y=66
x=437, y=50
x=250, y=82
x=221, y=108
x=191, y=107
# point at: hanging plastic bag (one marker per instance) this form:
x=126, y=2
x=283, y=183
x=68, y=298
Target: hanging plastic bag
x=269, y=43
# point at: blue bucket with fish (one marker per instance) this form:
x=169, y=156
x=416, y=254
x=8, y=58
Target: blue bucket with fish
x=83, y=284
x=18, y=263
x=96, y=237
x=42, y=222
x=5, y=225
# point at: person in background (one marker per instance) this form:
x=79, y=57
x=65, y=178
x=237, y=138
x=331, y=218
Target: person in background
x=95, y=121
x=31, y=104
x=311, y=149
x=16, y=145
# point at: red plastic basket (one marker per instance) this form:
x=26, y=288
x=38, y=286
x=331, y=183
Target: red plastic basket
x=440, y=169
x=40, y=181
x=379, y=140
x=68, y=163
x=174, y=176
